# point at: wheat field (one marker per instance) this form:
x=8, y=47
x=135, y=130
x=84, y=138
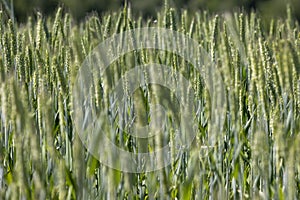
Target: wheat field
x=256, y=155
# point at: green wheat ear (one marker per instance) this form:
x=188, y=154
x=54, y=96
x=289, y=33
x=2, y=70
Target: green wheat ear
x=214, y=35
x=1, y=23
x=172, y=19
x=107, y=28
x=39, y=33
x=56, y=25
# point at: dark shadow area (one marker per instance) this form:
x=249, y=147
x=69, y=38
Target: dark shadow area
x=148, y=9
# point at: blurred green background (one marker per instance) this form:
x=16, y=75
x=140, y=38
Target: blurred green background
x=79, y=9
